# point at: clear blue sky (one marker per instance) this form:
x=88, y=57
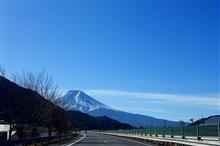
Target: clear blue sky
x=158, y=58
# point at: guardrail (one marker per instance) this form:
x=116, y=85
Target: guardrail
x=36, y=141
x=198, y=131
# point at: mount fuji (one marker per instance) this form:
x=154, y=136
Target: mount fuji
x=79, y=101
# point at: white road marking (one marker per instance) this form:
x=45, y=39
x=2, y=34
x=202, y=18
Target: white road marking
x=105, y=141
x=84, y=136
x=131, y=140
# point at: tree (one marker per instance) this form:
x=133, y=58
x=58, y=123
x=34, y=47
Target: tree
x=192, y=120
x=43, y=84
x=2, y=71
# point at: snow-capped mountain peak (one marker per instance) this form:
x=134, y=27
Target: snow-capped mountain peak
x=78, y=100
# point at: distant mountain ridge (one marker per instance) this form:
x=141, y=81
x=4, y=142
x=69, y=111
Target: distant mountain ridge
x=81, y=120
x=215, y=119
x=78, y=100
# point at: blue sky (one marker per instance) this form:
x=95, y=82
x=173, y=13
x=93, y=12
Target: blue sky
x=158, y=58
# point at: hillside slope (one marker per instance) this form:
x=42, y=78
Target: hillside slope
x=78, y=100
x=133, y=119
x=215, y=119
x=84, y=121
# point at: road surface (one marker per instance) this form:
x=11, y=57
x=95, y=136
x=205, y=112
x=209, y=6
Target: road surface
x=93, y=139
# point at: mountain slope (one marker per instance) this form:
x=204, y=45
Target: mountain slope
x=18, y=103
x=84, y=121
x=215, y=119
x=77, y=100
x=133, y=119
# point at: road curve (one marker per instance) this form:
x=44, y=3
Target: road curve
x=94, y=139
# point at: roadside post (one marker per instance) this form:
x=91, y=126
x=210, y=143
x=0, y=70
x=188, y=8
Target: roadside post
x=171, y=132
x=198, y=136
x=163, y=132
x=183, y=132
x=218, y=131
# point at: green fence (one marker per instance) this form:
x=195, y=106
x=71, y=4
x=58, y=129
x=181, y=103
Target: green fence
x=199, y=131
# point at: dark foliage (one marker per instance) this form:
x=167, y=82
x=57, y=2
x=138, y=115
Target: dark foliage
x=24, y=106
x=17, y=103
x=84, y=121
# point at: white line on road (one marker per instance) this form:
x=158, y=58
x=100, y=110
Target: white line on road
x=134, y=141
x=126, y=139
x=84, y=136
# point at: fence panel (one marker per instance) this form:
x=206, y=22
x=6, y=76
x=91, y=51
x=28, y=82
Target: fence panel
x=159, y=131
x=167, y=131
x=190, y=131
x=208, y=130
x=177, y=131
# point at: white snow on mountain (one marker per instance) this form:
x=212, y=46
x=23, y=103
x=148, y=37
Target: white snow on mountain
x=78, y=100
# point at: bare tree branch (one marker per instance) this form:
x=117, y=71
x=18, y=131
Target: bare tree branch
x=43, y=84
x=2, y=71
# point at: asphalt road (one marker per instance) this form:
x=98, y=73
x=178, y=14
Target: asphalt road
x=93, y=139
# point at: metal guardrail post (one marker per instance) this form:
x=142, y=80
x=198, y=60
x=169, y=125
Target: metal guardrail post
x=219, y=131
x=183, y=133
x=163, y=132
x=198, y=136
x=171, y=132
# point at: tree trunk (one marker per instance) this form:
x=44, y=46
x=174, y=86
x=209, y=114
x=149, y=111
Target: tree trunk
x=10, y=131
